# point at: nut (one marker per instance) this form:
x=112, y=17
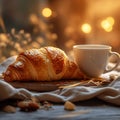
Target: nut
x=9, y=109
x=69, y=106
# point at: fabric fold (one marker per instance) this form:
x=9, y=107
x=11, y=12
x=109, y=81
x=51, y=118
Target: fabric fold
x=76, y=94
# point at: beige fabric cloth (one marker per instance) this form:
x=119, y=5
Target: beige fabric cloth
x=110, y=93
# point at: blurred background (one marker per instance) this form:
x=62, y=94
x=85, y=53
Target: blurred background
x=28, y=24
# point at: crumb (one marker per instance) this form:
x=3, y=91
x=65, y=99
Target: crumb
x=28, y=106
x=47, y=105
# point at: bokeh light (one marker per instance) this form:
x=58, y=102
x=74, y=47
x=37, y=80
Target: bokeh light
x=46, y=12
x=107, y=24
x=86, y=28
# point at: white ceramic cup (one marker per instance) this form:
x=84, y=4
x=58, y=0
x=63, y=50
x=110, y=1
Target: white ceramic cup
x=93, y=59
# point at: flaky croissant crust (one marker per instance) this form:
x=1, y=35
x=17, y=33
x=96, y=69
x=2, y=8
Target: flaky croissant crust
x=44, y=64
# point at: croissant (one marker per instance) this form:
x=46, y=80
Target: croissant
x=44, y=64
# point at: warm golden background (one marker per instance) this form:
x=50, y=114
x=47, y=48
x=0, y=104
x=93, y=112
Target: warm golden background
x=63, y=23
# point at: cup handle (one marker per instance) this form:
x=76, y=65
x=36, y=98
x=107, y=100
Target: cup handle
x=117, y=63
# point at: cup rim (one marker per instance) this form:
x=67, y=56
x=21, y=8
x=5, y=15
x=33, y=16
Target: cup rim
x=91, y=46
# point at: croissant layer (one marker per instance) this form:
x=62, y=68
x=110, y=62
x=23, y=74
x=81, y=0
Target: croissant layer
x=44, y=64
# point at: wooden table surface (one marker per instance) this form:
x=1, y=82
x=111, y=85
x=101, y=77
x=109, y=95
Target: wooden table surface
x=93, y=109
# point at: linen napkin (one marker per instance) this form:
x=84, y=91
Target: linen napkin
x=109, y=93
